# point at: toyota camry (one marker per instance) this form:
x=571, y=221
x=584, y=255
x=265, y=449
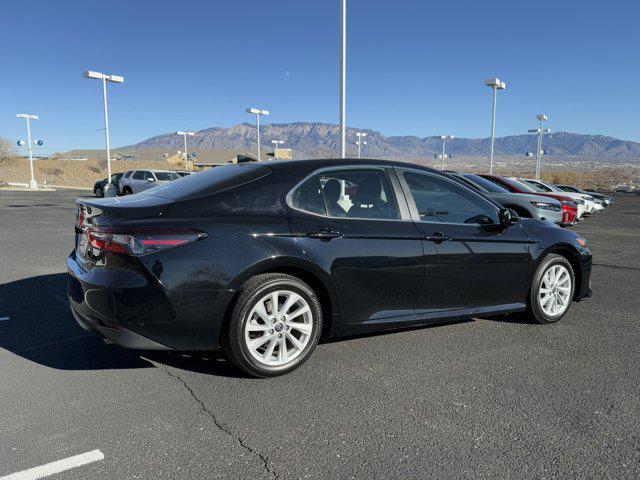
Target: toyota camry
x=262, y=260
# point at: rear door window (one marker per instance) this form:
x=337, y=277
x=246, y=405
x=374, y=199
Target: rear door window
x=358, y=193
x=139, y=175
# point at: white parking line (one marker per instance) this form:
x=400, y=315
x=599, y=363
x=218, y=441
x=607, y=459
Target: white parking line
x=56, y=467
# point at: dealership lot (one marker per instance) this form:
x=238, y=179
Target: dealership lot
x=486, y=398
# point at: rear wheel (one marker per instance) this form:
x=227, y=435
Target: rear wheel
x=275, y=325
x=99, y=192
x=552, y=290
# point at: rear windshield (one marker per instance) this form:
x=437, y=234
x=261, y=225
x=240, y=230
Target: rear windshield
x=486, y=184
x=208, y=182
x=167, y=176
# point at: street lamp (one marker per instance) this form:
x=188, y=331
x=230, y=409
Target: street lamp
x=444, y=140
x=360, y=142
x=495, y=84
x=539, y=152
x=343, y=77
x=185, y=155
x=32, y=181
x=275, y=147
x=257, y=113
x=105, y=78
x=541, y=118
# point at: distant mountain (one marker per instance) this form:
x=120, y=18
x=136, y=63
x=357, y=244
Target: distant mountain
x=321, y=139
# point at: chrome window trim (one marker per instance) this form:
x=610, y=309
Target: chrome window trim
x=405, y=213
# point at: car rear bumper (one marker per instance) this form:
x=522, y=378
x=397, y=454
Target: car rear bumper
x=131, y=308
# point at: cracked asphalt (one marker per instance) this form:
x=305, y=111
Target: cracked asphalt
x=492, y=398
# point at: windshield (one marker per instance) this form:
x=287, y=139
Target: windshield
x=166, y=176
x=524, y=186
x=484, y=183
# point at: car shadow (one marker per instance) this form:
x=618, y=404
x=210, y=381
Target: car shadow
x=42, y=329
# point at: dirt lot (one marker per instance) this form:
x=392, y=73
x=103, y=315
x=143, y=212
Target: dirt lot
x=83, y=174
x=70, y=172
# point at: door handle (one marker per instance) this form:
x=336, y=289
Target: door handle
x=437, y=237
x=324, y=234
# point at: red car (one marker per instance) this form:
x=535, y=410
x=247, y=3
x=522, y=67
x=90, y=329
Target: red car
x=569, y=206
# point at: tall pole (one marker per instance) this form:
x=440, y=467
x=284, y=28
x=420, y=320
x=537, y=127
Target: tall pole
x=359, y=150
x=493, y=128
x=343, y=79
x=32, y=180
x=106, y=131
x=258, y=133
x=538, y=152
x=444, y=139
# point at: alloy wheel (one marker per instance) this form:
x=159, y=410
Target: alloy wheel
x=554, y=294
x=278, y=327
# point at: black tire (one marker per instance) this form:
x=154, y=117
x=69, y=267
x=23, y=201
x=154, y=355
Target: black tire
x=250, y=294
x=534, y=310
x=99, y=192
x=127, y=191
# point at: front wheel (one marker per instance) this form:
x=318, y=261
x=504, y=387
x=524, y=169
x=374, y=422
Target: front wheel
x=275, y=325
x=552, y=290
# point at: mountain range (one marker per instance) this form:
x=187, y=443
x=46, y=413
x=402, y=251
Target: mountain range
x=310, y=139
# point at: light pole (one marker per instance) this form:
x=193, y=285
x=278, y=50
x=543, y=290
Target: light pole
x=105, y=78
x=275, y=147
x=32, y=181
x=542, y=118
x=343, y=77
x=495, y=84
x=539, y=152
x=360, y=142
x=444, y=140
x=257, y=113
x=186, y=154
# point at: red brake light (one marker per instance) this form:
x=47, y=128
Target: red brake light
x=138, y=241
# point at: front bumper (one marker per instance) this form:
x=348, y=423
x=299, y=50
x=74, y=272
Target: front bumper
x=585, y=261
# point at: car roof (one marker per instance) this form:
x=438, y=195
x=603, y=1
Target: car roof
x=317, y=163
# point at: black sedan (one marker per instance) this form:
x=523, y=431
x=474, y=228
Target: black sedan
x=264, y=259
x=99, y=188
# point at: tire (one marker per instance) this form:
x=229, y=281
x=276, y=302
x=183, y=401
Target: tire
x=127, y=191
x=556, y=275
x=99, y=192
x=252, y=321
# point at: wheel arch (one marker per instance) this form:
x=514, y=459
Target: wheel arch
x=303, y=269
x=572, y=255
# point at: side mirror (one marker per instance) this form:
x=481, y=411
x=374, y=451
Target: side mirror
x=508, y=217
x=151, y=179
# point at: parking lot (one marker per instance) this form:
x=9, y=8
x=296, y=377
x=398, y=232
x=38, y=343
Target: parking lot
x=491, y=398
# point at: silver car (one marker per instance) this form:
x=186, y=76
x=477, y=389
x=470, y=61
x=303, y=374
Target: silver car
x=527, y=206
x=136, y=181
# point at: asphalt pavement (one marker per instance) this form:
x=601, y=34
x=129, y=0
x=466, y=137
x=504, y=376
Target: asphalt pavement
x=491, y=398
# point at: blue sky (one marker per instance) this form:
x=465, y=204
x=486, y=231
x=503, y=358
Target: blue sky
x=414, y=66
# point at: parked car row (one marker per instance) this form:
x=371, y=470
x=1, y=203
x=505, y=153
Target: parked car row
x=135, y=181
x=564, y=205
x=262, y=259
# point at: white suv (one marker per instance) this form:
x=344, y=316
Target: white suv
x=135, y=181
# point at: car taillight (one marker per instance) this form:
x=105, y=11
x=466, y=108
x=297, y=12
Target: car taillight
x=139, y=240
